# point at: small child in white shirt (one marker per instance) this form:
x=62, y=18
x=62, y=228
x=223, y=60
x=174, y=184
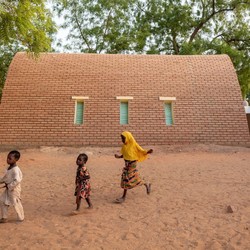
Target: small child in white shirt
x=12, y=192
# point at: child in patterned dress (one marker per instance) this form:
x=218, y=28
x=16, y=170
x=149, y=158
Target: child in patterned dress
x=131, y=153
x=82, y=182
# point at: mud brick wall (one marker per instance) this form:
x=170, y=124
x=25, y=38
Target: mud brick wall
x=37, y=106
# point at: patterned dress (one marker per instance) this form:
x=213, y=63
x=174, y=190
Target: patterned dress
x=130, y=176
x=82, y=183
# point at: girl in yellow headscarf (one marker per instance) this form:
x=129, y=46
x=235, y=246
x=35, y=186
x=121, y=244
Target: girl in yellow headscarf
x=131, y=152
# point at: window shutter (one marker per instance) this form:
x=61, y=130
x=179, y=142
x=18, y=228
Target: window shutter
x=124, y=113
x=168, y=113
x=79, y=113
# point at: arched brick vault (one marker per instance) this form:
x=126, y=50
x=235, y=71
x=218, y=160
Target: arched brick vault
x=37, y=106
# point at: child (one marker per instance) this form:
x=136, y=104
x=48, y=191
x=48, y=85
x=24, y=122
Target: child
x=131, y=153
x=12, y=192
x=82, y=182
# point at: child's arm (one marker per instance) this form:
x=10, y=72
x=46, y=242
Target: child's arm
x=85, y=177
x=84, y=174
x=2, y=181
x=150, y=151
x=118, y=156
x=17, y=178
x=5, y=186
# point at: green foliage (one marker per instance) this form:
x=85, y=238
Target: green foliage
x=26, y=26
x=6, y=55
x=97, y=26
x=161, y=27
x=27, y=22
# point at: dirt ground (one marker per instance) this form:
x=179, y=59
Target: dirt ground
x=192, y=186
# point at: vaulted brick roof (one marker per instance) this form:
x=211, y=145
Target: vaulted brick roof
x=37, y=106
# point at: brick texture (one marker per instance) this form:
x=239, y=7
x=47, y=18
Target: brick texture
x=37, y=106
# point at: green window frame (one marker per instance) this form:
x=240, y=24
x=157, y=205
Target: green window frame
x=124, y=112
x=79, y=113
x=168, y=109
x=124, y=108
x=79, y=109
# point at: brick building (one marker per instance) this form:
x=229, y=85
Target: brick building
x=89, y=99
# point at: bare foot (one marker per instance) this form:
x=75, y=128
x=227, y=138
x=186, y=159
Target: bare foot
x=75, y=212
x=3, y=220
x=19, y=221
x=120, y=200
x=90, y=207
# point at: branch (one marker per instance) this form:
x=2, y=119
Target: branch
x=220, y=35
x=175, y=44
x=213, y=6
x=237, y=40
x=203, y=9
x=234, y=40
x=81, y=33
x=105, y=30
x=201, y=24
x=146, y=12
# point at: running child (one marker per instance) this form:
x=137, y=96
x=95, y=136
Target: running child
x=132, y=153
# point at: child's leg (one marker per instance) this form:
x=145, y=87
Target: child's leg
x=148, y=187
x=19, y=209
x=124, y=193
x=78, y=203
x=89, y=202
x=122, y=199
x=4, y=211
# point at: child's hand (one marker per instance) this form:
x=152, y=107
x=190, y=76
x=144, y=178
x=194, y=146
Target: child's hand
x=150, y=151
x=5, y=186
x=117, y=156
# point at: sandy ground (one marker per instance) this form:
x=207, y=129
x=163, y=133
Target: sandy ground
x=187, y=208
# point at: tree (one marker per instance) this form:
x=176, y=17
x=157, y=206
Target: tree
x=204, y=27
x=97, y=26
x=161, y=27
x=24, y=25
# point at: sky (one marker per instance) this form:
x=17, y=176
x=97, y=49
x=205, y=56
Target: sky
x=61, y=33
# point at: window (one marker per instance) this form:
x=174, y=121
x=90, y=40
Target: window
x=123, y=113
x=168, y=113
x=79, y=109
x=124, y=108
x=168, y=109
x=79, y=112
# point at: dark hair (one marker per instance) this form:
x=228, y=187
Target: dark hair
x=16, y=154
x=84, y=156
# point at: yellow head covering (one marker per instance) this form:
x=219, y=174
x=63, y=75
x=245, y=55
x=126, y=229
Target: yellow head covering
x=131, y=150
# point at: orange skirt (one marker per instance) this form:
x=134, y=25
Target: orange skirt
x=130, y=176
